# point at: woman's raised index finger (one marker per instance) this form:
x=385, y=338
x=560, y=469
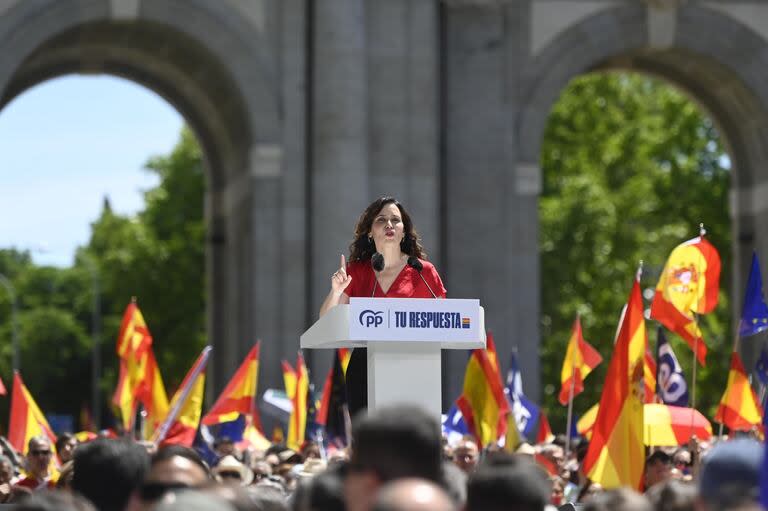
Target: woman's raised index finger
x=343, y=262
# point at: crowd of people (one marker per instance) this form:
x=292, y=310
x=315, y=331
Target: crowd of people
x=398, y=460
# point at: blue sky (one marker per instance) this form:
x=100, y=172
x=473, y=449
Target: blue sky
x=65, y=145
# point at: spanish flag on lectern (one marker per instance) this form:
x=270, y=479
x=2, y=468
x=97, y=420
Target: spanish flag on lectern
x=688, y=285
x=616, y=452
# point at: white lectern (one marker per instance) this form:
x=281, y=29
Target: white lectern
x=404, y=337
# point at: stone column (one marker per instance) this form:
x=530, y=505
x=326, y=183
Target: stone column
x=491, y=200
x=339, y=168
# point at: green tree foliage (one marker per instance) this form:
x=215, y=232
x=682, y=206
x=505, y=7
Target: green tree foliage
x=631, y=167
x=158, y=256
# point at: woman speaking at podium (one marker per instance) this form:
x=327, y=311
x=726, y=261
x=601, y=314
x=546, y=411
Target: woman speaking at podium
x=386, y=260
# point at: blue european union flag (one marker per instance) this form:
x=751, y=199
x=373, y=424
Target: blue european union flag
x=754, y=315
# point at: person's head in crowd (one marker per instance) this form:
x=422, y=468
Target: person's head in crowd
x=589, y=491
x=6, y=470
x=249, y=498
x=65, y=446
x=47, y=500
x=412, y=495
x=657, y=468
x=466, y=454
x=447, y=449
x=505, y=481
x=555, y=455
x=310, y=468
x=231, y=472
x=672, y=495
x=224, y=446
x=455, y=482
x=729, y=476
x=620, y=499
x=526, y=449
x=388, y=443
x=273, y=460
x=261, y=470
x=324, y=492
x=66, y=473
x=39, y=455
x=108, y=471
x=195, y=500
x=173, y=467
x=310, y=450
x=682, y=461
x=558, y=490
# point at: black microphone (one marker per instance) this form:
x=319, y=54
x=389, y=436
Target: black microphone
x=414, y=263
x=377, y=262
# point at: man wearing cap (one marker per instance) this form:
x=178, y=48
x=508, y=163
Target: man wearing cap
x=730, y=475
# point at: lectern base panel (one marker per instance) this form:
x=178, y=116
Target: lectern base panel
x=404, y=373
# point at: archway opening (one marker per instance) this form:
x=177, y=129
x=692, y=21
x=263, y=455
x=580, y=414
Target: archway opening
x=107, y=188
x=631, y=165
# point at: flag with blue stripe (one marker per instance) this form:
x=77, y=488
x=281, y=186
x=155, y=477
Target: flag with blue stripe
x=526, y=412
x=670, y=381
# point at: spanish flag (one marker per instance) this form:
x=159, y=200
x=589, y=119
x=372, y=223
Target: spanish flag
x=580, y=359
x=482, y=402
x=139, y=378
x=739, y=407
x=616, y=453
x=180, y=426
x=688, y=285
x=26, y=419
x=649, y=377
x=297, y=388
x=239, y=396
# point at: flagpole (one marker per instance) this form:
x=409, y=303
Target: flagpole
x=702, y=232
x=570, y=407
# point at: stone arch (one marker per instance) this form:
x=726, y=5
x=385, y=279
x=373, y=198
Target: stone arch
x=717, y=60
x=208, y=61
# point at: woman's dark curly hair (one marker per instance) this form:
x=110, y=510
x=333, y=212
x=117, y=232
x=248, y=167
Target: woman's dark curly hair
x=362, y=248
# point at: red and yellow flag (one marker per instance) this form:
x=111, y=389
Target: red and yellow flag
x=544, y=435
x=344, y=356
x=26, y=419
x=482, y=402
x=239, y=396
x=139, y=379
x=739, y=407
x=616, y=453
x=297, y=388
x=180, y=426
x=688, y=285
x=649, y=377
x=580, y=359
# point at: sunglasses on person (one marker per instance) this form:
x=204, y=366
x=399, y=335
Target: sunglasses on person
x=40, y=452
x=152, y=491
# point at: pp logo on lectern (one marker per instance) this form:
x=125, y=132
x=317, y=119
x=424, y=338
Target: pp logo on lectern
x=369, y=318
